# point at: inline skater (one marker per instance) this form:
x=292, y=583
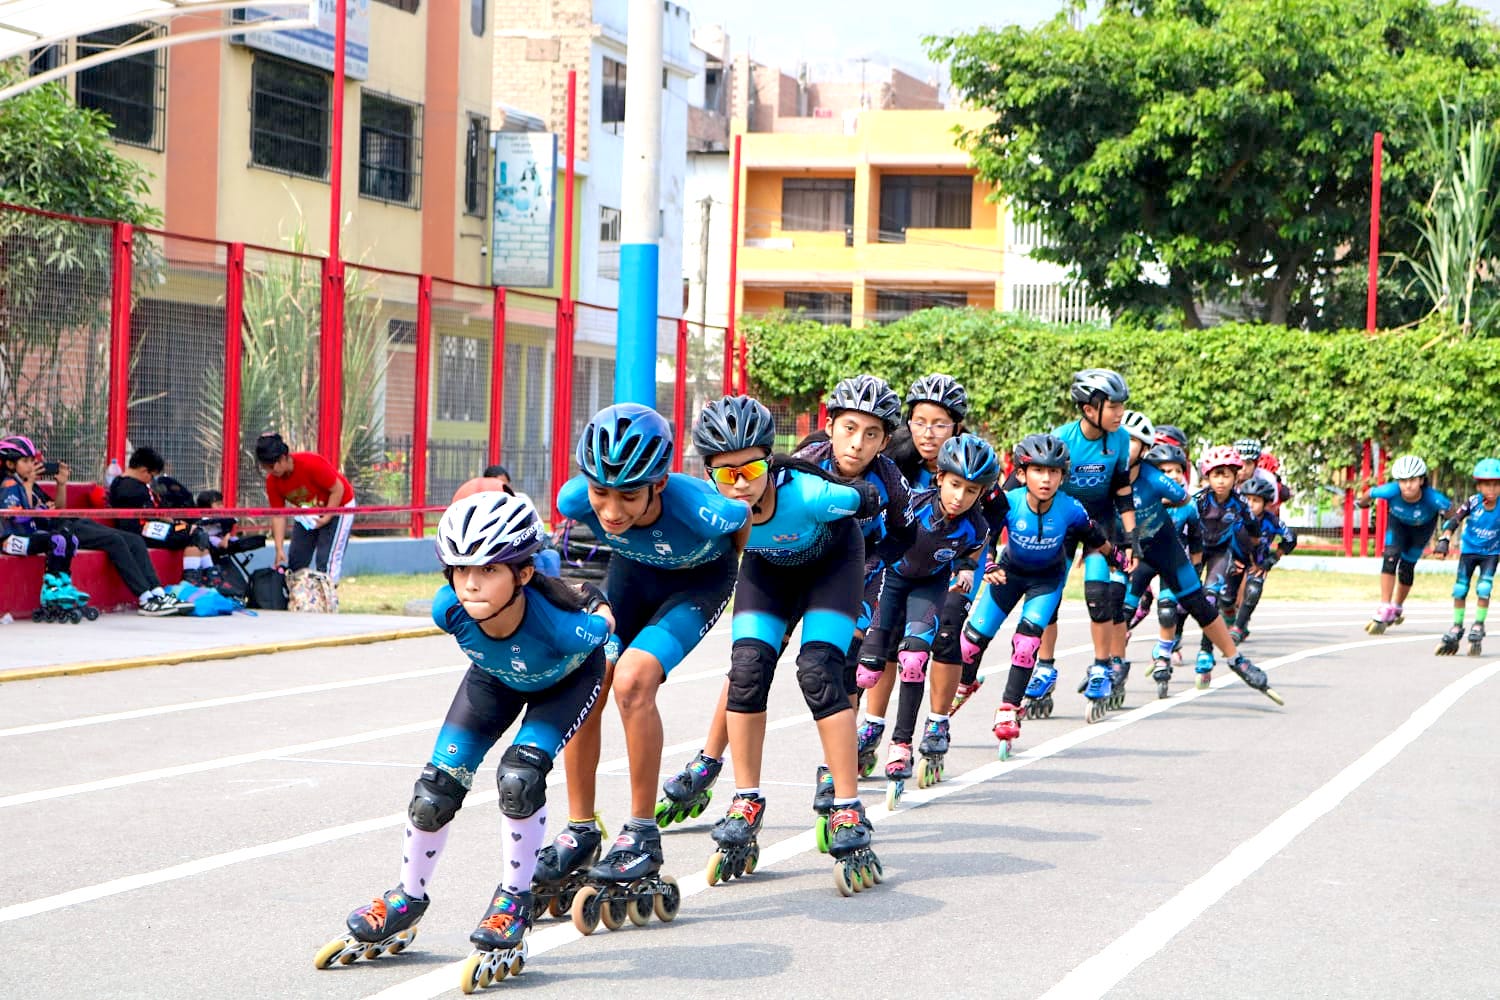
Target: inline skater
x=1480, y=517
x=1415, y=509
x=1253, y=554
x=24, y=534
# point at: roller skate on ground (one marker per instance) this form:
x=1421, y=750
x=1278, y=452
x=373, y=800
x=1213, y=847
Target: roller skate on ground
x=1007, y=728
x=1385, y=617
x=736, y=836
x=562, y=868
x=1038, y=700
x=1204, y=668
x=687, y=794
x=386, y=925
x=964, y=693
x=1141, y=611
x=1448, y=644
x=822, y=805
x=1476, y=638
x=1161, y=667
x=1118, y=670
x=627, y=884
x=1254, y=677
x=63, y=602
x=1097, y=689
x=869, y=746
x=856, y=868
x=897, y=771
x=1398, y=615
x=934, y=751
x=499, y=941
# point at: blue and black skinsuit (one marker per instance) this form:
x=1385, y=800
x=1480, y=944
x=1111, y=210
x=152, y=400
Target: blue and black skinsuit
x=29, y=535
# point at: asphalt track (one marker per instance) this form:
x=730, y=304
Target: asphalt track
x=201, y=829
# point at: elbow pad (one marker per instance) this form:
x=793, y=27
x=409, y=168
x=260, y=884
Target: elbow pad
x=1124, y=502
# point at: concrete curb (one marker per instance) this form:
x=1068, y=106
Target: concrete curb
x=219, y=653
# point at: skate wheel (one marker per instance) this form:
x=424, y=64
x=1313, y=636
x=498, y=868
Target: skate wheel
x=555, y=907
x=664, y=814
x=372, y=952
x=697, y=810
x=92, y=614
x=842, y=881
x=752, y=859
x=471, y=977
x=1005, y=749
x=326, y=954
x=820, y=832
x=75, y=616
x=1161, y=689
x=1271, y=693
x=585, y=910
x=1474, y=649
x=866, y=767
x=876, y=870
x=614, y=911
x=347, y=956
x=517, y=964
x=38, y=615
x=1203, y=681
x=715, y=870
x=639, y=910
x=396, y=947
x=892, y=794
x=667, y=901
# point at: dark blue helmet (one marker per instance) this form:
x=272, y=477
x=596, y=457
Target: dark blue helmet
x=1165, y=454
x=733, y=423
x=970, y=457
x=866, y=394
x=1045, y=451
x=943, y=390
x=625, y=447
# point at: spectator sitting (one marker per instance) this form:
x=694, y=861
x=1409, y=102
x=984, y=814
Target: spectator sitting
x=305, y=479
x=143, y=486
x=220, y=539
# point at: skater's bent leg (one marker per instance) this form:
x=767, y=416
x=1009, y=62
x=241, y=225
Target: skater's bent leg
x=717, y=740
x=837, y=733
x=943, y=679
x=638, y=675
x=436, y=798
x=522, y=781
x=581, y=757
x=752, y=663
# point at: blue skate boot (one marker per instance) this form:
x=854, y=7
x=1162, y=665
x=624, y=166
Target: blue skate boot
x=1204, y=668
x=1097, y=689
x=1038, y=700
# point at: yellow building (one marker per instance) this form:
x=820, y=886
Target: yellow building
x=867, y=219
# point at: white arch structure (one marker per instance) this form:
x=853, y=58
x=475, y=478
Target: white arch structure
x=26, y=25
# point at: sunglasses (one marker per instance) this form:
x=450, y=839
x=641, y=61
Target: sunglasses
x=728, y=475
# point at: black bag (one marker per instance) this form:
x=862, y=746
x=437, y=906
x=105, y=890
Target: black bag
x=171, y=493
x=234, y=581
x=268, y=589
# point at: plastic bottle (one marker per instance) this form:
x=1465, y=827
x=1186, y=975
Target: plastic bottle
x=112, y=473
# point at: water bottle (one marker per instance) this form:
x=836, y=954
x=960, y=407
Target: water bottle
x=112, y=473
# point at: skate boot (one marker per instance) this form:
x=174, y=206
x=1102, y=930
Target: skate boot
x=822, y=805
x=934, y=751
x=1385, y=616
x=562, y=867
x=687, y=793
x=1237, y=634
x=897, y=771
x=1254, y=677
x=1448, y=644
x=857, y=867
x=736, y=836
x=1141, y=611
x=1398, y=615
x=1161, y=666
x=869, y=746
x=964, y=693
x=1476, y=638
x=1118, y=670
x=1038, y=700
x=192, y=577
x=1007, y=728
x=1204, y=668
x=627, y=884
x=1097, y=689
x=60, y=601
x=386, y=925
x=499, y=941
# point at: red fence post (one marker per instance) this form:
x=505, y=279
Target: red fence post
x=119, y=340
x=418, y=456
x=679, y=395
x=331, y=363
x=1381, y=509
x=234, y=342
x=562, y=410
x=1349, y=513
x=497, y=376
x=1364, y=518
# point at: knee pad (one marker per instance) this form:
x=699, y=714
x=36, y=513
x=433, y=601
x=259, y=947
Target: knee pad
x=945, y=645
x=851, y=666
x=1200, y=607
x=1486, y=584
x=913, y=656
x=1166, y=613
x=818, y=667
x=1117, y=601
x=522, y=780
x=435, y=799
x=972, y=645
x=1406, y=572
x=1096, y=596
x=1388, y=560
x=1023, y=646
x=751, y=664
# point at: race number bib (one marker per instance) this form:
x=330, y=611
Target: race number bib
x=15, y=545
x=157, y=531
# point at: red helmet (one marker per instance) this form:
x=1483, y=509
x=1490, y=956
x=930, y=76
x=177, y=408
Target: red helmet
x=1220, y=456
x=1269, y=462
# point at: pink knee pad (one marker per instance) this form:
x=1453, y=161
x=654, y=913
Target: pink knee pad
x=969, y=650
x=1023, y=649
x=865, y=677
x=913, y=664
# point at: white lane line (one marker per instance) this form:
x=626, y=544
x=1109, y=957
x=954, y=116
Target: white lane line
x=236, y=699
x=445, y=978
x=1101, y=973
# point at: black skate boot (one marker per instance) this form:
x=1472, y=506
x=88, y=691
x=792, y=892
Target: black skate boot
x=934, y=751
x=387, y=924
x=736, y=836
x=1448, y=644
x=627, y=884
x=687, y=793
x=1254, y=677
x=499, y=941
x=856, y=868
x=1476, y=638
x=562, y=867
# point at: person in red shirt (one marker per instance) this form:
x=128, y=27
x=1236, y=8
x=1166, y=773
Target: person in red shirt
x=305, y=479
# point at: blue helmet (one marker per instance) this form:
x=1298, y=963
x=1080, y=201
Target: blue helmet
x=734, y=423
x=970, y=457
x=625, y=447
x=1488, y=468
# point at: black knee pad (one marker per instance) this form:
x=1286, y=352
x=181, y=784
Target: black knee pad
x=1200, y=607
x=818, y=668
x=1406, y=572
x=1253, y=589
x=1388, y=560
x=751, y=665
x=851, y=667
x=522, y=780
x=1166, y=613
x=1117, y=603
x=945, y=647
x=435, y=799
x=1096, y=596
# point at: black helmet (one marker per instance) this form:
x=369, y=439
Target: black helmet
x=1045, y=451
x=1166, y=454
x=1093, y=382
x=867, y=394
x=1257, y=487
x=733, y=423
x=970, y=457
x=944, y=390
x=1171, y=434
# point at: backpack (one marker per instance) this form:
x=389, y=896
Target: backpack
x=171, y=493
x=309, y=590
x=268, y=589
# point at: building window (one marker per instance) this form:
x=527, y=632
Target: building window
x=463, y=366
x=476, y=164
x=289, y=113
x=131, y=91
x=44, y=59
x=820, y=205
x=892, y=305
x=477, y=17
x=410, y=6
x=389, y=149
x=824, y=307
x=915, y=201
x=609, y=242
x=612, y=97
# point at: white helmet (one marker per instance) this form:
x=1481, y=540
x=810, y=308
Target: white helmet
x=1408, y=467
x=488, y=527
x=1138, y=426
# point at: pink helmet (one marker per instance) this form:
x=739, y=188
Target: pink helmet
x=17, y=446
x=1220, y=456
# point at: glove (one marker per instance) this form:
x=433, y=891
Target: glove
x=1441, y=548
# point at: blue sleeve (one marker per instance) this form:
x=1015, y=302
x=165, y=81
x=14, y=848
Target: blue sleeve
x=1439, y=501
x=572, y=632
x=443, y=606
x=1387, y=491
x=826, y=501
x=706, y=511
x=573, y=500
x=1170, y=489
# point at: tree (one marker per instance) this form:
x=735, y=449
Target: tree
x=1194, y=151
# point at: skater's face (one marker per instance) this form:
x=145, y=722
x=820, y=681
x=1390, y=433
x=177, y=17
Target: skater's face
x=1107, y=415
x=1221, y=480
x=1174, y=472
x=1257, y=506
x=484, y=590
x=1244, y=473
x=1042, y=483
x=281, y=468
x=26, y=468
x=856, y=438
x=618, y=510
x=1411, y=489
x=956, y=494
x=930, y=425
x=744, y=463
x=1490, y=490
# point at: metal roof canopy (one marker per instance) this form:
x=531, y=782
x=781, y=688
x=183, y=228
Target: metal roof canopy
x=26, y=25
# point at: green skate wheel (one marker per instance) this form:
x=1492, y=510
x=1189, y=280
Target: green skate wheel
x=664, y=813
x=1005, y=749
x=820, y=831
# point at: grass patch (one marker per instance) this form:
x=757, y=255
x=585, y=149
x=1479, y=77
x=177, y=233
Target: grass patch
x=386, y=594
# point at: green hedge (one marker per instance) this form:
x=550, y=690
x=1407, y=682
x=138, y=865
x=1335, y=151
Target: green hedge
x=1313, y=397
